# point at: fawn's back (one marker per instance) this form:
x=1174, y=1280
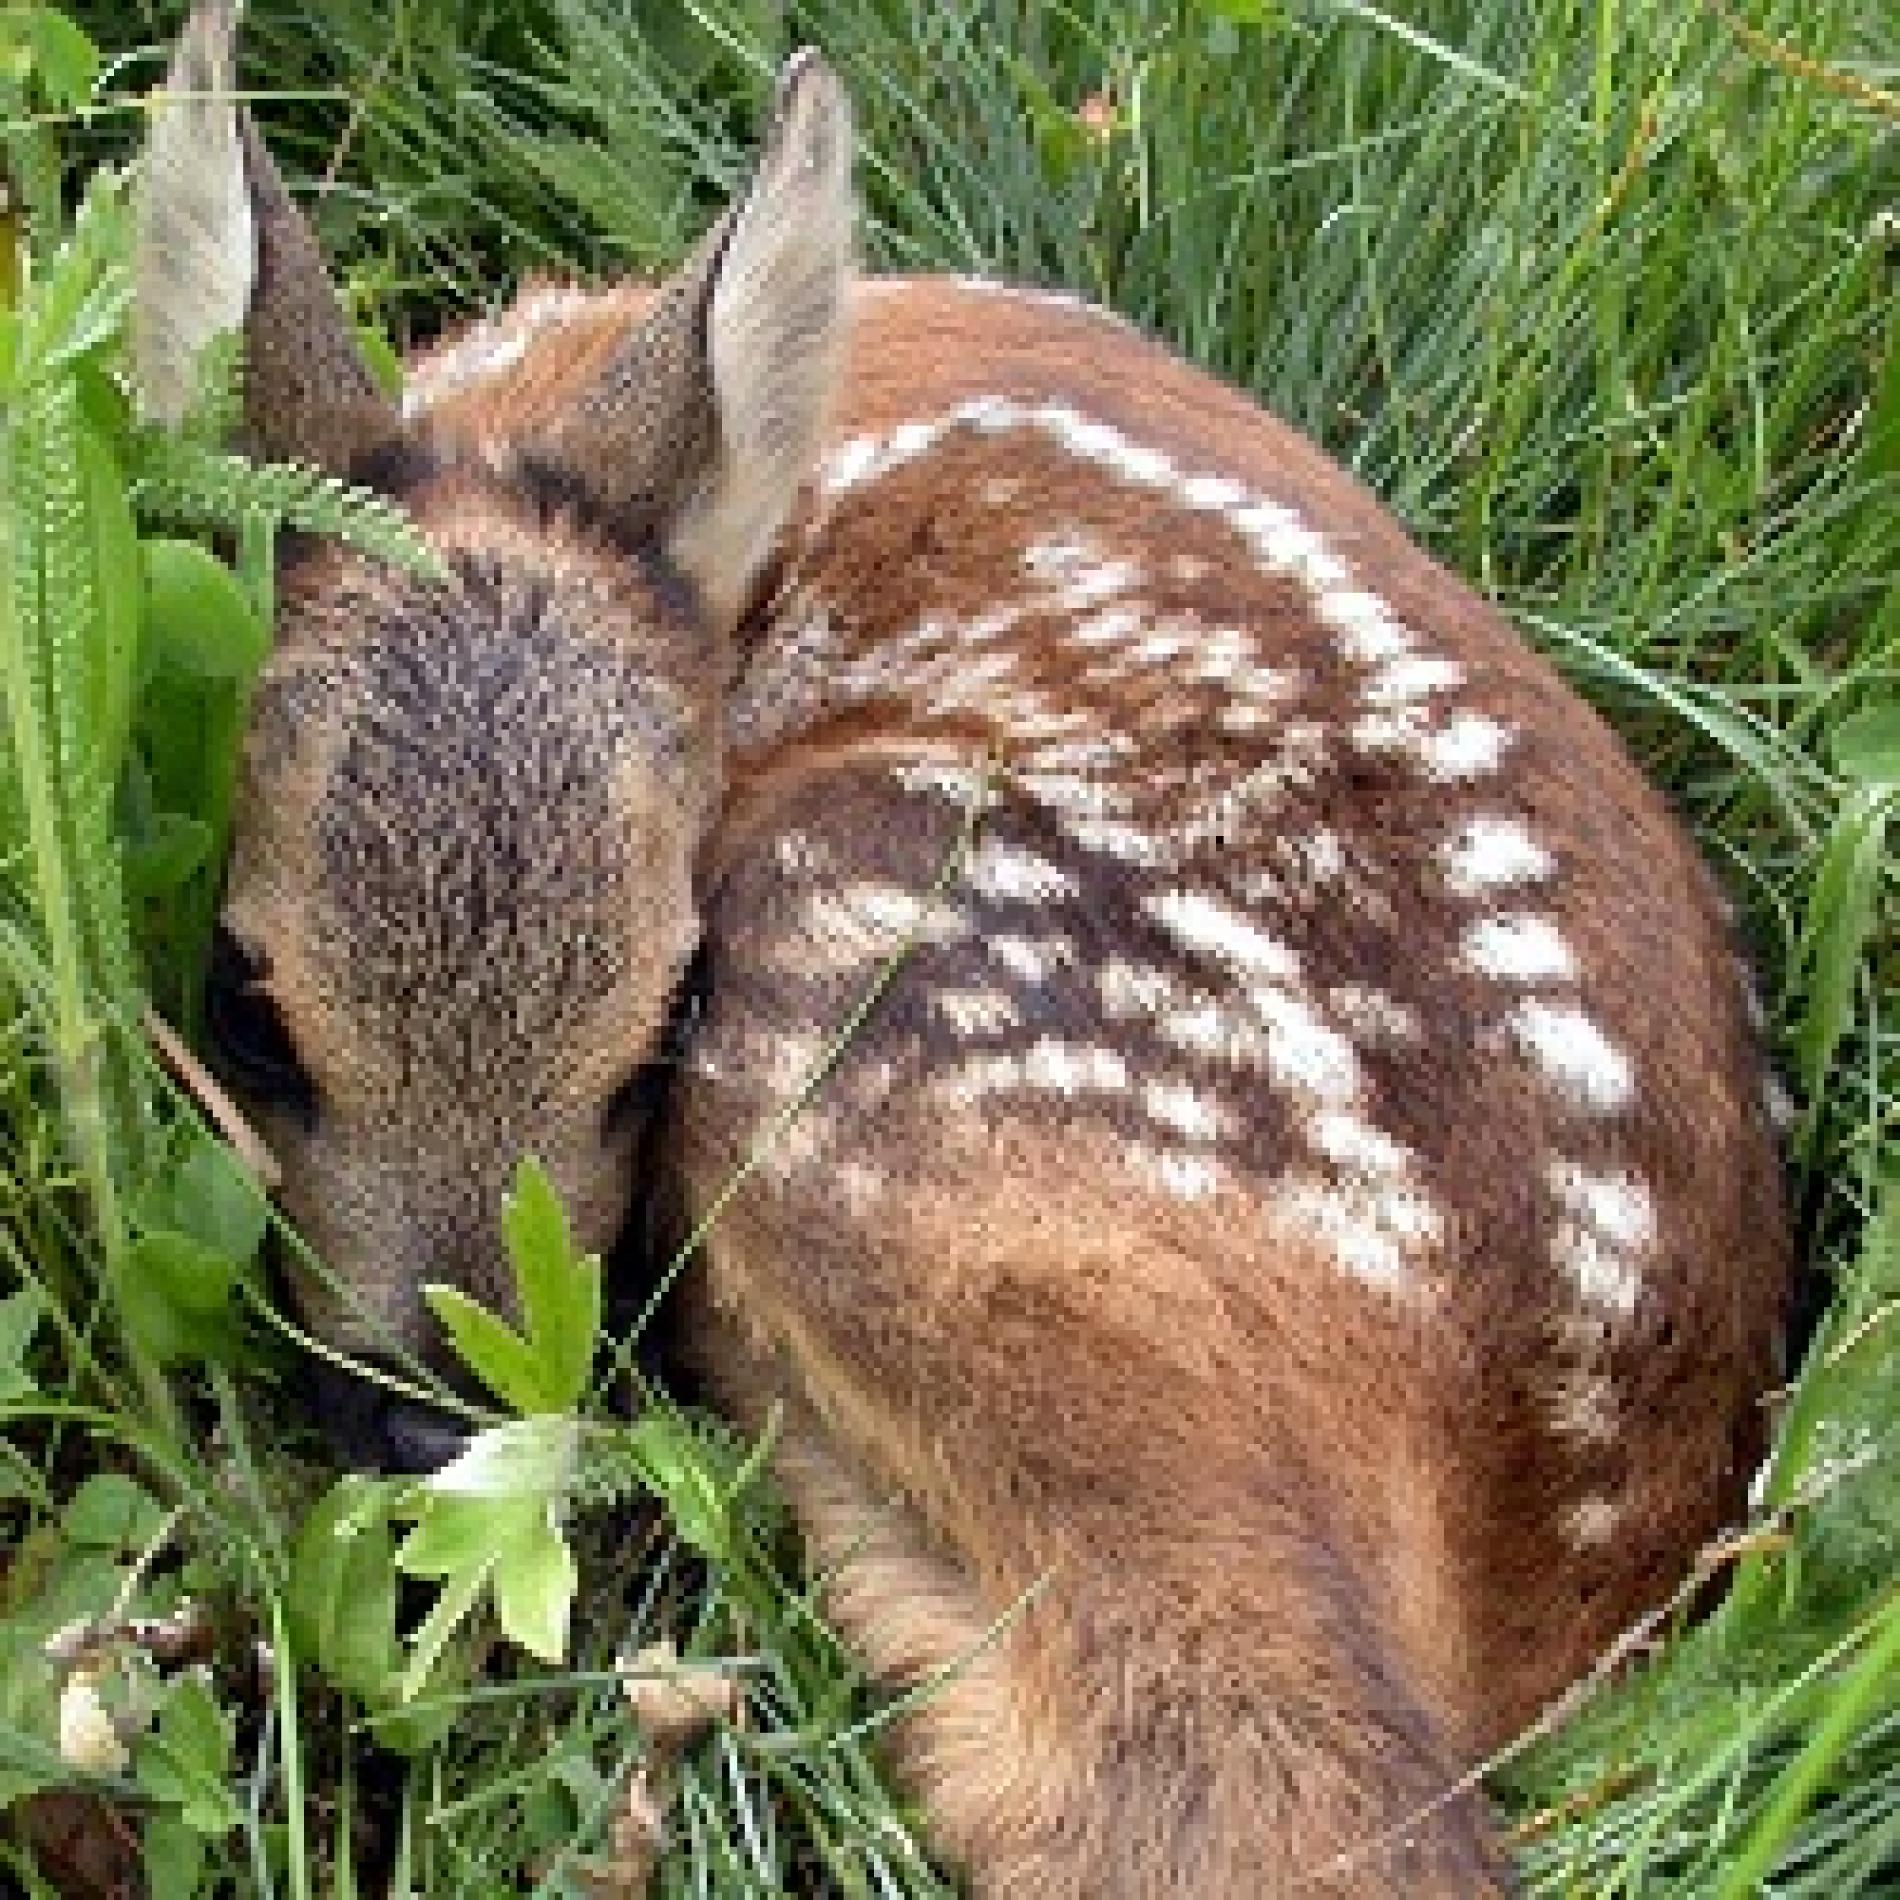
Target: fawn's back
x=1280, y=1270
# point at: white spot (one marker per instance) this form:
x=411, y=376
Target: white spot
x=1161, y=643
x=1213, y=494
x=1574, y=1054
x=1009, y=873
x=1606, y=1231
x=1207, y=1028
x=1134, y=989
x=1583, y=1405
x=1242, y=716
x=1070, y=1068
x=1181, y=1107
x=1777, y=1104
x=1367, y=630
x=976, y=1012
x=1000, y=490
x=1409, y=677
x=1094, y=753
x=801, y=855
x=851, y=463
x=1320, y=856
x=1302, y=1052
x=1492, y=853
x=1519, y=949
x=1115, y=838
x=1069, y=793
x=1373, y=1013
x=788, y=1060
x=1108, y=628
x=1352, y=1143
x=1591, y=1521
x=1032, y=959
x=1203, y=923
x=1188, y=1177
x=858, y=1185
x=1375, y=1229
x=1285, y=544
x=1466, y=746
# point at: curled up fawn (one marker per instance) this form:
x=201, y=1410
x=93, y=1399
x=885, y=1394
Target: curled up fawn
x=1303, y=1211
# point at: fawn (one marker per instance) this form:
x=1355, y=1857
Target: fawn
x=1303, y=1211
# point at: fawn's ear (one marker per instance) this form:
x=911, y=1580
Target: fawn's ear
x=222, y=247
x=703, y=426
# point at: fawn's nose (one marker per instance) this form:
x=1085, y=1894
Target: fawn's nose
x=373, y=1429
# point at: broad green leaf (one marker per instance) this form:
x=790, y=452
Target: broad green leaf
x=111, y=1511
x=59, y=55
x=535, y=1582
x=490, y=1348
x=174, y=1856
x=196, y=615
x=186, y=1761
x=19, y=1320
x=175, y=1295
x=217, y=1201
x=1867, y=745
x=342, y=1596
x=459, y=1534
x=166, y=854
x=559, y=1291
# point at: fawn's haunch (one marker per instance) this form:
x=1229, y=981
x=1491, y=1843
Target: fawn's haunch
x=1305, y=1200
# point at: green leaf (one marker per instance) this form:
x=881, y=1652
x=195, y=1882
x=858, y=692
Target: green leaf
x=174, y=1856
x=59, y=55
x=489, y=1347
x=1867, y=745
x=196, y=614
x=459, y=1597
x=19, y=1320
x=169, y=851
x=111, y=1511
x=112, y=655
x=342, y=1596
x=175, y=1294
x=461, y=1534
x=535, y=1582
x=186, y=1761
x=217, y=1201
x=1842, y=908
x=675, y=1467
x=559, y=1291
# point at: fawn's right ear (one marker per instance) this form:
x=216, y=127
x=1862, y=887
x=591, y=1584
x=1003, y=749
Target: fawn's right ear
x=222, y=247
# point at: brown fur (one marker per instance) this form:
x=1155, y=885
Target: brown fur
x=1242, y=1495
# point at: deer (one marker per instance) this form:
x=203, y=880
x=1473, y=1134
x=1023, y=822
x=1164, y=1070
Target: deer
x=1287, y=1267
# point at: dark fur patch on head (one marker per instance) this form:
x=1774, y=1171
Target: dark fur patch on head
x=473, y=845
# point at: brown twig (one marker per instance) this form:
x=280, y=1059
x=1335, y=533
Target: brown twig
x=196, y=1080
x=1799, y=65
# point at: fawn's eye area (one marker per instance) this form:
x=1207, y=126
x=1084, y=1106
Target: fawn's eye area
x=247, y=1034
x=634, y=1101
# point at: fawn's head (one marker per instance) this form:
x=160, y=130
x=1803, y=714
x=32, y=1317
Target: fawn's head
x=461, y=895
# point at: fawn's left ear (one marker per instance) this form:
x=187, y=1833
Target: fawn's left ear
x=709, y=417
x=222, y=247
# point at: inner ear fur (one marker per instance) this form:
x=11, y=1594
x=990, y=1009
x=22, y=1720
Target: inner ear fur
x=701, y=430
x=221, y=247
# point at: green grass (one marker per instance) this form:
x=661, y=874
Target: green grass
x=1600, y=298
